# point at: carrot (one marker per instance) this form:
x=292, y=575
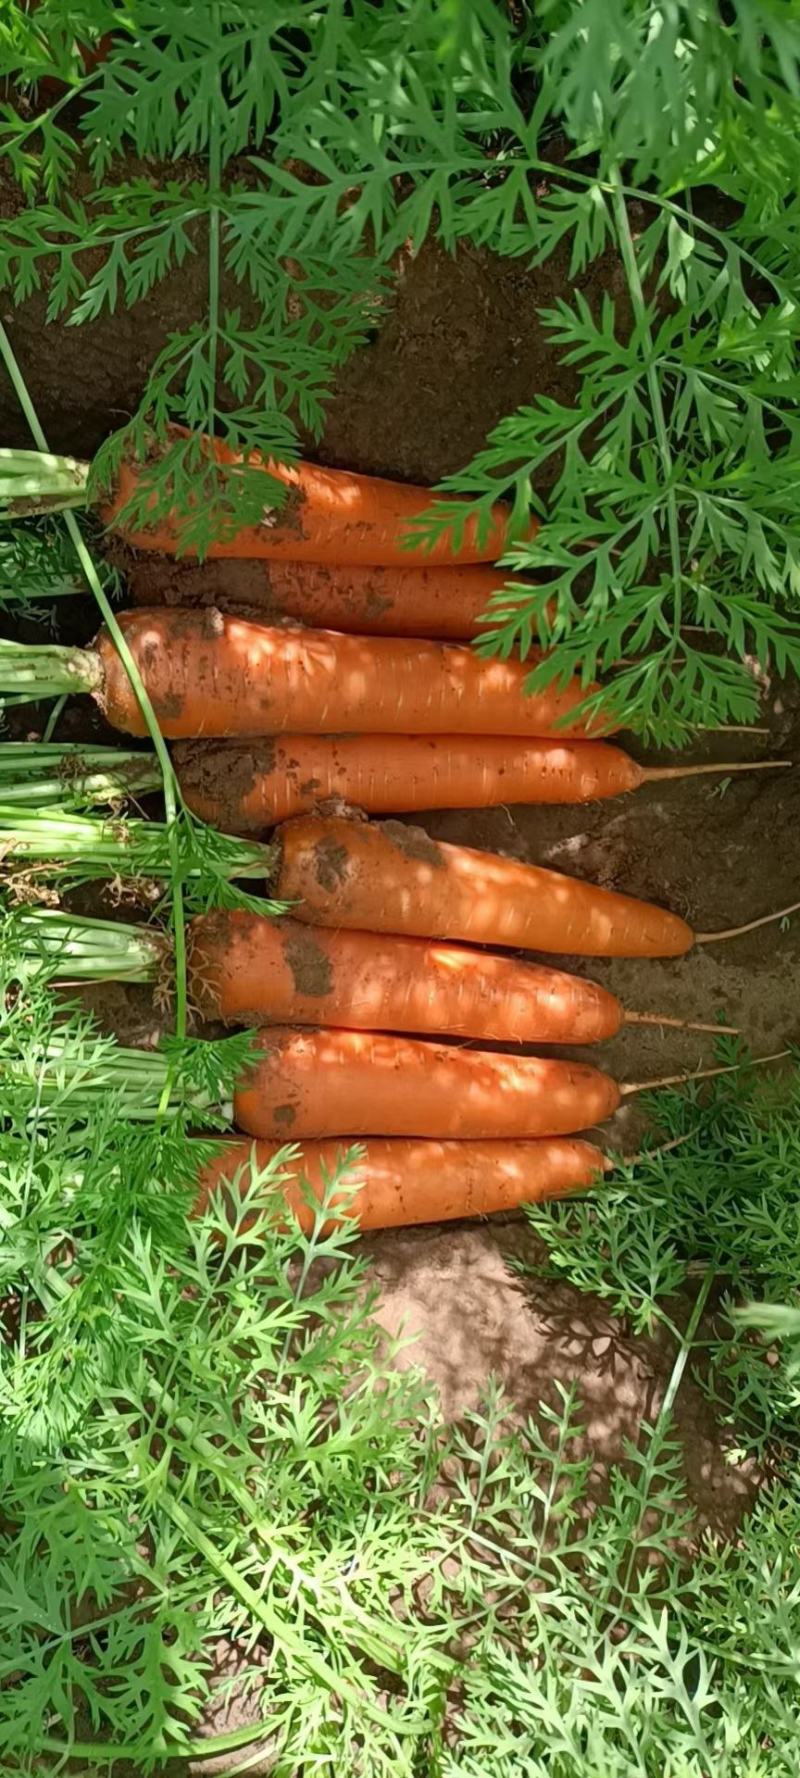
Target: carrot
x=245, y=789
x=212, y=675
x=386, y=877
x=352, y=1083
x=329, y=515
x=448, y=603
x=325, y=1083
x=402, y=1182
x=246, y=969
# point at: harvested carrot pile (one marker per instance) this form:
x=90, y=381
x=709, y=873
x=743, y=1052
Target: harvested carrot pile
x=364, y=996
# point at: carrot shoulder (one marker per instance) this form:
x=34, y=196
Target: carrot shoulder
x=246, y=969
x=350, y=1083
x=329, y=515
x=207, y=674
x=386, y=877
x=399, y=1182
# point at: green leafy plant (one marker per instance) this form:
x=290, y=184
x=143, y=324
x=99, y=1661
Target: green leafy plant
x=203, y=1436
x=724, y=1203
x=604, y=1650
x=204, y=1443
x=199, y=1440
x=328, y=138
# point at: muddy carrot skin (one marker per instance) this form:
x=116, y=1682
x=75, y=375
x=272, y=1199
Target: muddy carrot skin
x=352, y=1083
x=246, y=969
x=444, y=603
x=387, y=877
x=402, y=1182
x=207, y=674
x=329, y=515
x=243, y=789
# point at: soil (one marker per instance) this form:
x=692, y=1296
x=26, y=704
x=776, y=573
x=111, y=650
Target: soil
x=460, y=347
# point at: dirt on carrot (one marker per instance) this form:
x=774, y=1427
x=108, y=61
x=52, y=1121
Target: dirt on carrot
x=208, y=774
x=330, y=863
x=311, y=969
x=414, y=843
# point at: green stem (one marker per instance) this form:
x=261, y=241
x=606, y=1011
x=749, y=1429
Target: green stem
x=36, y=774
x=135, y=1079
x=171, y=789
x=645, y=1481
x=36, y=482
x=108, y=1753
x=45, y=670
x=639, y=306
x=216, y=102
x=66, y=948
x=55, y=717
x=61, y=844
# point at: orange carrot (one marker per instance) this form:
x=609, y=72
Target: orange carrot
x=386, y=877
x=246, y=969
x=212, y=675
x=448, y=603
x=245, y=789
x=403, y=1182
x=352, y=1083
x=322, y=1083
x=329, y=515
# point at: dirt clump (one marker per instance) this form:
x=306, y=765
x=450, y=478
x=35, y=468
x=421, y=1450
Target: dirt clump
x=414, y=843
x=330, y=863
x=311, y=969
x=221, y=774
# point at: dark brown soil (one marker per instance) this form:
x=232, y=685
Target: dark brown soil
x=204, y=772
x=460, y=347
x=311, y=969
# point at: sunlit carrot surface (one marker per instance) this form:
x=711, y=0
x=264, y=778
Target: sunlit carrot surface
x=401, y=1182
x=330, y=515
x=448, y=603
x=387, y=877
x=351, y=1083
x=207, y=674
x=245, y=789
x=246, y=969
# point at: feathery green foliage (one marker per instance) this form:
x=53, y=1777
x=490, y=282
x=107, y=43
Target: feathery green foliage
x=203, y=1438
x=726, y=1201
x=305, y=145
